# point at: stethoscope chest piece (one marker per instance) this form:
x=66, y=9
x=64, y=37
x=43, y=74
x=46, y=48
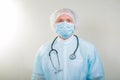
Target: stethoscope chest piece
x=72, y=56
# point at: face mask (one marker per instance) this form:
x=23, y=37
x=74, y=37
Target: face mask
x=64, y=29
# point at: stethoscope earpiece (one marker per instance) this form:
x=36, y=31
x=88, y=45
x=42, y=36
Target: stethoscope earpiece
x=58, y=71
x=72, y=56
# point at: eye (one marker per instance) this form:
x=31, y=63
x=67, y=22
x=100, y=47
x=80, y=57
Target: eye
x=60, y=20
x=69, y=21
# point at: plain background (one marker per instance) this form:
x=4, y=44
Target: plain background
x=25, y=26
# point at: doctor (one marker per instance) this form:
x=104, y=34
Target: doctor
x=67, y=57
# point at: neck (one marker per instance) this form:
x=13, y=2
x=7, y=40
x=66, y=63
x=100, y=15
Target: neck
x=65, y=38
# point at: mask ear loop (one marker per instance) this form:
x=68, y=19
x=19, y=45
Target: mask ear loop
x=73, y=56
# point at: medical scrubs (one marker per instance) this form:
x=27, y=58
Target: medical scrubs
x=86, y=66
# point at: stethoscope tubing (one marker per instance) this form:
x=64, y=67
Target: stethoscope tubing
x=72, y=56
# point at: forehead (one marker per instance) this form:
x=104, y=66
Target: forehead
x=64, y=16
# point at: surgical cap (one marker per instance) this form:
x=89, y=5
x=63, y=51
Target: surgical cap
x=66, y=11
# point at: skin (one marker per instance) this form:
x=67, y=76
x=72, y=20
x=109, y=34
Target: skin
x=63, y=18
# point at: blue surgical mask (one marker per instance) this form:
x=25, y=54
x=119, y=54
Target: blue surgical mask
x=64, y=29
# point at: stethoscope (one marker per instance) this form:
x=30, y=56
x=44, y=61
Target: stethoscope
x=72, y=56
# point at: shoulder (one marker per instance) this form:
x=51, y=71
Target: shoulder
x=43, y=48
x=87, y=48
x=85, y=43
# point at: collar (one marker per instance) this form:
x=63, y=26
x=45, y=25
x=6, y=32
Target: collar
x=67, y=41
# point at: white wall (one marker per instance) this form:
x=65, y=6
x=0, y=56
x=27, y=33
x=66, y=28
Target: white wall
x=25, y=26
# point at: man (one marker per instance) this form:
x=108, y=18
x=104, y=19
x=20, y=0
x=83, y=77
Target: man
x=67, y=57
